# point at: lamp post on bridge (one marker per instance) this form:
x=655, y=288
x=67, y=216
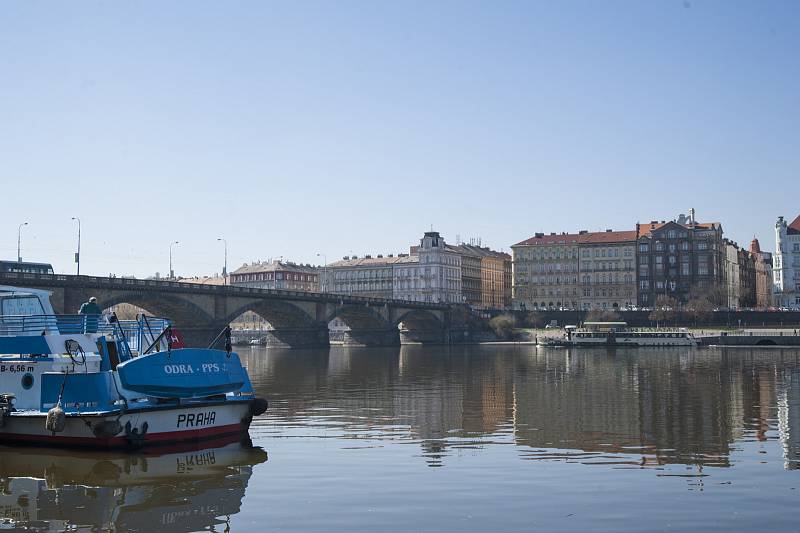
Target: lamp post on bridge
x=324, y=283
x=171, y=272
x=78, y=253
x=225, y=265
x=19, y=242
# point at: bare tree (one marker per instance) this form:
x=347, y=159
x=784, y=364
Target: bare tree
x=666, y=308
x=699, y=309
x=503, y=326
x=602, y=315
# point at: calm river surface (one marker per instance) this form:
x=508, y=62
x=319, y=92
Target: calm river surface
x=476, y=438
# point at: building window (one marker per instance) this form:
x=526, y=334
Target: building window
x=644, y=248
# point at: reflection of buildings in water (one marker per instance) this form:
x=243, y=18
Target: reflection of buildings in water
x=52, y=490
x=671, y=405
x=584, y=400
x=788, y=392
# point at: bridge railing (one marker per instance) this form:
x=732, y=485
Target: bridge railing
x=133, y=284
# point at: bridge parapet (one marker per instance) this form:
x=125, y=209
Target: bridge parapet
x=299, y=318
x=21, y=279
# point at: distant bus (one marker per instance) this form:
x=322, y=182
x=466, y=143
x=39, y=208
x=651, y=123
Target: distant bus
x=25, y=267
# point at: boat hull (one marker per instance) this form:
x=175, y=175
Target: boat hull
x=168, y=425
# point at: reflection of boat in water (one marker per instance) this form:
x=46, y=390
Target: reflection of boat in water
x=187, y=490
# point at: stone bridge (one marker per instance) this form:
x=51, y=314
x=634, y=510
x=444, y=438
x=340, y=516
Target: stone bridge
x=299, y=319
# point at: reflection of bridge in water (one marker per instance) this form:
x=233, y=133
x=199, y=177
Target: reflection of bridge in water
x=299, y=319
x=661, y=406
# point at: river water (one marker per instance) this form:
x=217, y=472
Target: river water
x=471, y=438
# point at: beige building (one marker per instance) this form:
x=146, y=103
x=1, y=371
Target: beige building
x=763, y=266
x=545, y=272
x=483, y=277
x=607, y=269
x=277, y=275
x=363, y=276
x=584, y=270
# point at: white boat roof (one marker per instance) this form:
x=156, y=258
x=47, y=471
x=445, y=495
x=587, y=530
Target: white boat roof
x=20, y=292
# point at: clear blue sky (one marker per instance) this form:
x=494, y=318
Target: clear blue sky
x=302, y=127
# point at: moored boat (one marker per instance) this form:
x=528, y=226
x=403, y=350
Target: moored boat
x=619, y=334
x=82, y=380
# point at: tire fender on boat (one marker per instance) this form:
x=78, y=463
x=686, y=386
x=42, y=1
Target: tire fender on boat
x=258, y=407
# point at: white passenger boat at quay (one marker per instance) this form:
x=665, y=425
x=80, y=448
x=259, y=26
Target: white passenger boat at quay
x=619, y=334
x=91, y=381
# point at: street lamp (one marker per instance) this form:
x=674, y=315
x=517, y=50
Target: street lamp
x=171, y=272
x=19, y=241
x=225, y=265
x=324, y=271
x=78, y=253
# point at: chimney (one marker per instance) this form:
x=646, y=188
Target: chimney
x=691, y=216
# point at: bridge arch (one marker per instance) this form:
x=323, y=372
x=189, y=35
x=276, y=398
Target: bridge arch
x=420, y=326
x=367, y=326
x=179, y=310
x=419, y=319
x=279, y=314
x=360, y=317
x=291, y=326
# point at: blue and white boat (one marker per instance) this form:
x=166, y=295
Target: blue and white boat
x=78, y=380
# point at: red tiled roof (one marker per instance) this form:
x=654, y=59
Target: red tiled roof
x=550, y=239
x=607, y=236
x=650, y=227
x=595, y=237
x=794, y=227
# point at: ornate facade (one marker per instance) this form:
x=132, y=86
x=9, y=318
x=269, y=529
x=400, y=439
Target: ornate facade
x=786, y=264
x=763, y=272
x=681, y=257
x=607, y=270
x=546, y=272
x=277, y=275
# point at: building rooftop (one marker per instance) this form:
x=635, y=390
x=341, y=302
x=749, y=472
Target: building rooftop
x=648, y=228
x=601, y=237
x=275, y=266
x=794, y=227
x=582, y=237
x=478, y=251
x=204, y=280
x=371, y=261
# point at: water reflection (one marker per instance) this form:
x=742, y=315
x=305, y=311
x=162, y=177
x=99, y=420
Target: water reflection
x=628, y=407
x=188, y=490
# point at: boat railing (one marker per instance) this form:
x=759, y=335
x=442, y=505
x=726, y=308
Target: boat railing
x=139, y=333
